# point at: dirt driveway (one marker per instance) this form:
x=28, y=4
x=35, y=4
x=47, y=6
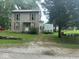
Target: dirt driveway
x=37, y=51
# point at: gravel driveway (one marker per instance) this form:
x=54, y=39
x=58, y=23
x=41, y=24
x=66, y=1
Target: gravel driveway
x=35, y=51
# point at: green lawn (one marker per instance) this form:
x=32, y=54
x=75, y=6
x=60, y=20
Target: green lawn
x=71, y=39
x=71, y=31
x=26, y=38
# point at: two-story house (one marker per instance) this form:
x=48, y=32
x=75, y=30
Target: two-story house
x=22, y=20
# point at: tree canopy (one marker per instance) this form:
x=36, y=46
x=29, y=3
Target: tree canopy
x=62, y=11
x=23, y=4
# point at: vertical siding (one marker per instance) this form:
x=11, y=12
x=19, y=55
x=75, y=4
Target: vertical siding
x=12, y=22
x=25, y=17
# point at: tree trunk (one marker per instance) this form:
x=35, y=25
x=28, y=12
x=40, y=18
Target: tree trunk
x=55, y=29
x=59, y=31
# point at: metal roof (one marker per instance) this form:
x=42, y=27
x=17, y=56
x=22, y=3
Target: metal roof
x=23, y=11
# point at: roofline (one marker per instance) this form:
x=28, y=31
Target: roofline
x=22, y=11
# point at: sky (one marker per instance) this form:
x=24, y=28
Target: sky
x=42, y=0
x=43, y=16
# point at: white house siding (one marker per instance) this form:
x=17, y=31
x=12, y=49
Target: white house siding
x=48, y=27
x=12, y=22
x=24, y=17
x=37, y=20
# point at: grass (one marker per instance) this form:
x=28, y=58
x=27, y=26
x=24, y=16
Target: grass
x=26, y=38
x=73, y=46
x=66, y=45
x=54, y=39
x=9, y=41
x=71, y=31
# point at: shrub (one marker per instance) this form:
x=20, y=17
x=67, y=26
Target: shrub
x=47, y=32
x=33, y=30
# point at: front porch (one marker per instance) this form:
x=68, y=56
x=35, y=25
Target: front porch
x=26, y=26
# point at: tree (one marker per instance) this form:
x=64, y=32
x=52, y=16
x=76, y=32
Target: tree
x=60, y=12
x=4, y=13
x=24, y=4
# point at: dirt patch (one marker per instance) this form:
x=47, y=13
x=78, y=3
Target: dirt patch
x=54, y=50
x=36, y=51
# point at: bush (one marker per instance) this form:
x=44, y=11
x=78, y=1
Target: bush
x=47, y=32
x=33, y=30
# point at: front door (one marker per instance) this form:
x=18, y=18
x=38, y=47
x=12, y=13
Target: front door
x=26, y=27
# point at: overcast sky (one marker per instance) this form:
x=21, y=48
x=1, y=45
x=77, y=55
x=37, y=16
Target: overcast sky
x=42, y=0
x=43, y=17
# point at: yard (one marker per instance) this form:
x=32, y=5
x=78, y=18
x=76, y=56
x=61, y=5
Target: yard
x=10, y=42
x=71, y=31
x=69, y=42
x=26, y=38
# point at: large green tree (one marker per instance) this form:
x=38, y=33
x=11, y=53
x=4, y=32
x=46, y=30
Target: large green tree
x=4, y=13
x=61, y=11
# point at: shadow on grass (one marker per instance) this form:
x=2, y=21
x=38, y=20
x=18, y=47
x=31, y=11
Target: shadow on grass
x=66, y=42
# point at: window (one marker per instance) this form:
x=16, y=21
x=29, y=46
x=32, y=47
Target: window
x=16, y=26
x=17, y=16
x=41, y=27
x=33, y=16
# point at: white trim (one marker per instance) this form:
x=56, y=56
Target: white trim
x=25, y=10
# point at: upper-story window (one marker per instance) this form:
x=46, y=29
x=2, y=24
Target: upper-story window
x=33, y=16
x=17, y=16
